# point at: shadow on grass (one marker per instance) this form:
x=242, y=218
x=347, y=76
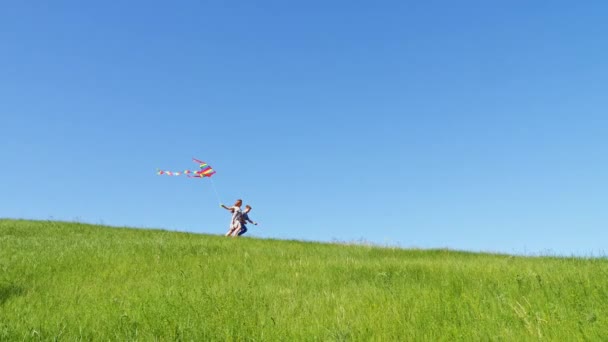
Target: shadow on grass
x=9, y=290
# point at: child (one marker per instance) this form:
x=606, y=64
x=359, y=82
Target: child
x=235, y=223
x=244, y=219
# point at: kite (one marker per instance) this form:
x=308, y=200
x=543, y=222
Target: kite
x=205, y=171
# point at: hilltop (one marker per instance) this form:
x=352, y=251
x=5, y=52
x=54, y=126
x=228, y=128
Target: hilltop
x=69, y=281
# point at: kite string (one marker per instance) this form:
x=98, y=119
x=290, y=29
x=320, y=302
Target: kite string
x=215, y=190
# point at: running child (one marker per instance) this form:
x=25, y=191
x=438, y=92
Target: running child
x=235, y=222
x=244, y=219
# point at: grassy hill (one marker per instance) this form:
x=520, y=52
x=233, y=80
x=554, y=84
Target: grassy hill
x=70, y=281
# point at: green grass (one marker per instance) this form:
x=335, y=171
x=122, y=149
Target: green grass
x=71, y=281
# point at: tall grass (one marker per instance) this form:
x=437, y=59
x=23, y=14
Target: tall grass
x=70, y=281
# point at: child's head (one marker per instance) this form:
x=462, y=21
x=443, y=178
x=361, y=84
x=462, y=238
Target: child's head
x=238, y=203
x=247, y=208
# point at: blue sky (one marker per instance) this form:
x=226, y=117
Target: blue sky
x=468, y=125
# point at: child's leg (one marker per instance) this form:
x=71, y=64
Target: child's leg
x=243, y=230
x=235, y=229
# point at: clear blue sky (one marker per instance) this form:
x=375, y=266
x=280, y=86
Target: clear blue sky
x=470, y=125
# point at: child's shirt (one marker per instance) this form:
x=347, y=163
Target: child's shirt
x=237, y=215
x=245, y=218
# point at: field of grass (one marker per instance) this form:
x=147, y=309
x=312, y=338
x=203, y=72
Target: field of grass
x=71, y=281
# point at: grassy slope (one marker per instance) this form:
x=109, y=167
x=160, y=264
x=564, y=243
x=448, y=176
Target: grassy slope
x=71, y=280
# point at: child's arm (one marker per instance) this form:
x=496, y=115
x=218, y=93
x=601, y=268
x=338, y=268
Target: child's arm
x=225, y=207
x=249, y=220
